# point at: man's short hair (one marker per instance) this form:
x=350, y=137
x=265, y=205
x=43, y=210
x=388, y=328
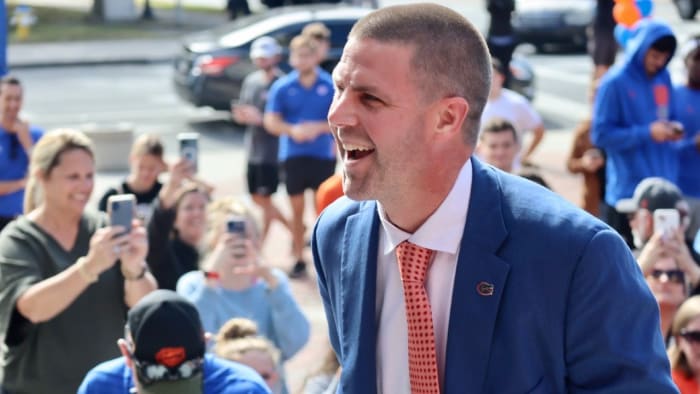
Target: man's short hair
x=302, y=41
x=450, y=55
x=499, y=125
x=317, y=30
x=168, y=343
x=9, y=80
x=665, y=44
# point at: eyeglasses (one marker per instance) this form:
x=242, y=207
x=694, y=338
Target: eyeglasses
x=149, y=373
x=673, y=276
x=691, y=336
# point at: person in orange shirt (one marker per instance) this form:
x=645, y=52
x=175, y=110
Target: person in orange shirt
x=684, y=353
x=330, y=190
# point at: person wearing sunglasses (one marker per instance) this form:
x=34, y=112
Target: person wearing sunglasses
x=163, y=351
x=684, y=352
x=652, y=244
x=668, y=284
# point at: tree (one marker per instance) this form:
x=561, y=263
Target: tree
x=98, y=10
x=147, y=11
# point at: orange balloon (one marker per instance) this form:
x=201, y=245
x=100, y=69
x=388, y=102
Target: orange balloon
x=626, y=13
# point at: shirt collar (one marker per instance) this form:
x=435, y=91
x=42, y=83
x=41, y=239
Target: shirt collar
x=442, y=231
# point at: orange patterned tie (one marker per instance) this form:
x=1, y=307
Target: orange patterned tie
x=422, y=358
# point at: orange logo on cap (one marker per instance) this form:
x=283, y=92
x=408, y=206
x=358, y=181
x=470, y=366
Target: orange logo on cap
x=171, y=356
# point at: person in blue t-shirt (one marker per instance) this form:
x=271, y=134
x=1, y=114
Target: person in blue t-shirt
x=164, y=352
x=296, y=110
x=633, y=118
x=17, y=138
x=687, y=101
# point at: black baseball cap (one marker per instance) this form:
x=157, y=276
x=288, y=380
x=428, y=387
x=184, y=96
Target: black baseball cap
x=651, y=194
x=168, y=344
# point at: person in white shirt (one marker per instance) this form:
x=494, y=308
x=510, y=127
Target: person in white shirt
x=513, y=107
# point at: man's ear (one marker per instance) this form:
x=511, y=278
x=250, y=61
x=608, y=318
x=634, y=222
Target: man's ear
x=124, y=349
x=451, y=114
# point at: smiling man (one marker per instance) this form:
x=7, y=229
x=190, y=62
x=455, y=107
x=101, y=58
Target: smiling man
x=451, y=275
x=17, y=138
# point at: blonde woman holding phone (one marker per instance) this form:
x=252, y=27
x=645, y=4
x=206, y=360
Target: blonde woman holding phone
x=66, y=277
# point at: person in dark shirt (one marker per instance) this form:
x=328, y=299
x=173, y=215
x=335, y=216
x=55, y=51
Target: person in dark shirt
x=146, y=164
x=602, y=46
x=500, y=37
x=177, y=225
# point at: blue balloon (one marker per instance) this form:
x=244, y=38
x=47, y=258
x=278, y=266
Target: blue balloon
x=622, y=35
x=645, y=7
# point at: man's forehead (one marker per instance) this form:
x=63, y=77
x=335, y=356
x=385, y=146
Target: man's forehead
x=363, y=58
x=7, y=89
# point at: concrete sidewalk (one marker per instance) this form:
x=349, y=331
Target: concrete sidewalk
x=84, y=53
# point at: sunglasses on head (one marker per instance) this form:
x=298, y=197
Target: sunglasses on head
x=691, y=336
x=673, y=276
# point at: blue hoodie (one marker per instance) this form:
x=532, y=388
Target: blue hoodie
x=687, y=102
x=623, y=111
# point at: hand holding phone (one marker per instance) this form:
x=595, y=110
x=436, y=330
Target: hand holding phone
x=189, y=148
x=666, y=222
x=121, y=209
x=677, y=128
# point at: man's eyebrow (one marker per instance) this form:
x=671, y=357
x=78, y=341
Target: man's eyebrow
x=363, y=88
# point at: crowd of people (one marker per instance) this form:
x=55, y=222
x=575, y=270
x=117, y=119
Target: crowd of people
x=185, y=294
x=71, y=279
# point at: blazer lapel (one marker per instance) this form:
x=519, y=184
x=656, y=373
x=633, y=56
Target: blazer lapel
x=358, y=287
x=479, y=283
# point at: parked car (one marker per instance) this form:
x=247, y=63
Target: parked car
x=542, y=22
x=210, y=69
x=687, y=8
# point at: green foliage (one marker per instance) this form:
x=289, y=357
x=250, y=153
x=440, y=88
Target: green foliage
x=75, y=24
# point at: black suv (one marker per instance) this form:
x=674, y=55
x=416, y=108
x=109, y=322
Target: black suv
x=210, y=69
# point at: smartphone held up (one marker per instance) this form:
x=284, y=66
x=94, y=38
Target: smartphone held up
x=189, y=147
x=237, y=225
x=121, y=209
x=666, y=222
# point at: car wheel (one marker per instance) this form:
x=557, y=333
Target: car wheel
x=686, y=8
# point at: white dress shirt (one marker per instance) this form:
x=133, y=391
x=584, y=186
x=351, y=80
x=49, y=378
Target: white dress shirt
x=442, y=232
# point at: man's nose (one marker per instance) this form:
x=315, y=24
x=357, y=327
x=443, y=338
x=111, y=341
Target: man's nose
x=341, y=113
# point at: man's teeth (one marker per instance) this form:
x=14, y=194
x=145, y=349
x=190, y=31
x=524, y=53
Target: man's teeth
x=350, y=148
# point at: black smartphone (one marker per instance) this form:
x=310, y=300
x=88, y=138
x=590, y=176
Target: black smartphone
x=121, y=209
x=236, y=225
x=189, y=148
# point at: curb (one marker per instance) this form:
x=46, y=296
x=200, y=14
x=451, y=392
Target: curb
x=93, y=62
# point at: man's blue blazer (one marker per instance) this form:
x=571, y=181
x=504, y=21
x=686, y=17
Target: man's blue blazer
x=570, y=310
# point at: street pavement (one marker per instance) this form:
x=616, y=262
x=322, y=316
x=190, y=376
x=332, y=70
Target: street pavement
x=223, y=160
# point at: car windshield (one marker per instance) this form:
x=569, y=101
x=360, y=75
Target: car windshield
x=247, y=33
x=245, y=21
